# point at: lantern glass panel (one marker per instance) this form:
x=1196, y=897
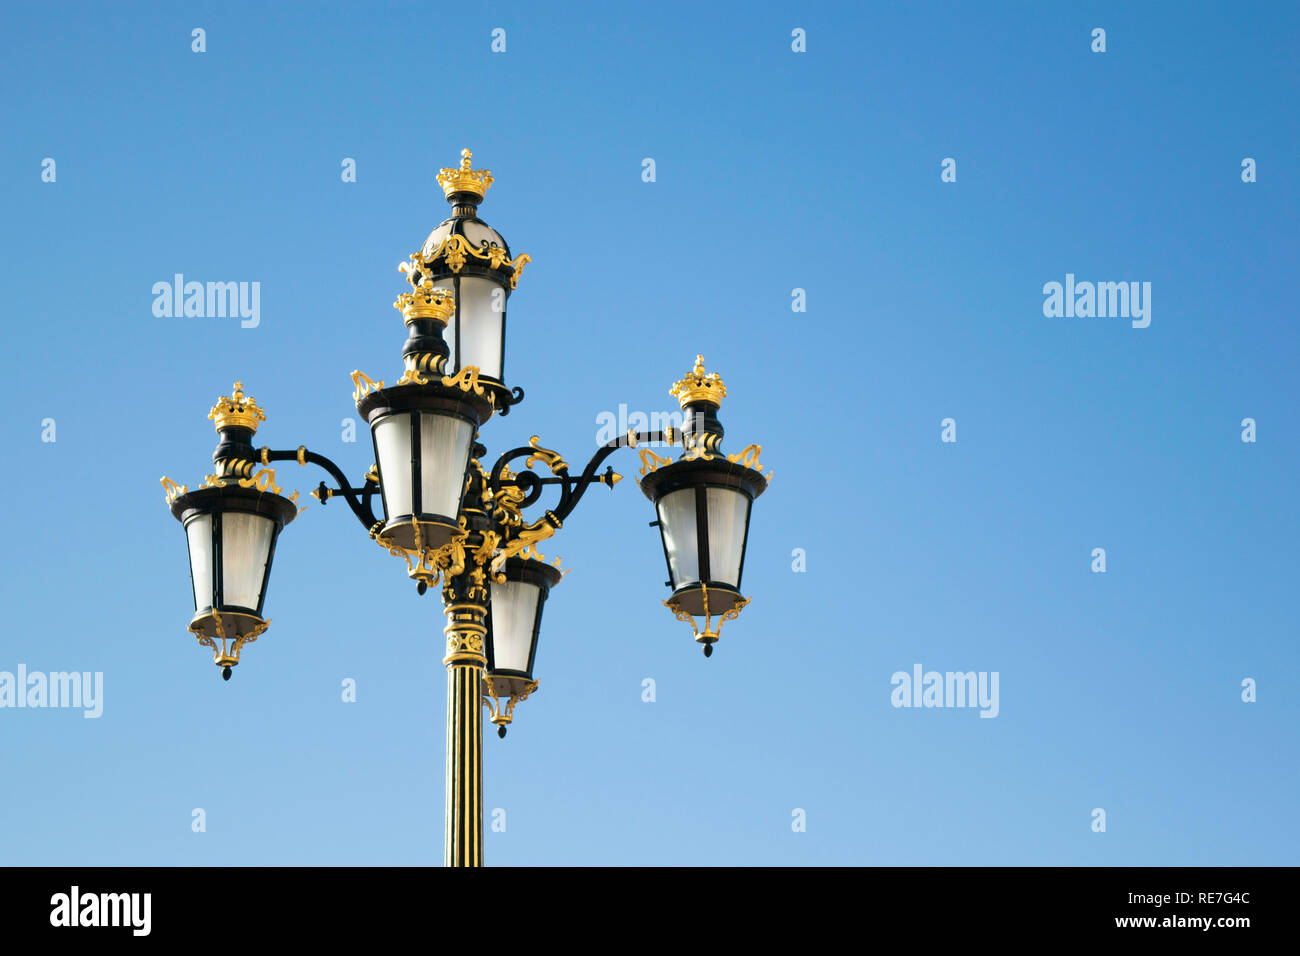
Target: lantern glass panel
x=393, y=448
x=479, y=313
x=449, y=334
x=245, y=544
x=727, y=511
x=199, y=533
x=514, y=617
x=677, y=523
x=478, y=232
x=444, y=454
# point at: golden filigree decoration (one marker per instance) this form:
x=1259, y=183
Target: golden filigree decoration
x=412, y=377
x=364, y=385
x=466, y=380
x=455, y=251
x=227, y=655
x=526, y=540
x=235, y=468
x=650, y=461
x=263, y=479
x=506, y=509
x=748, y=456
x=173, y=490
x=518, y=262
x=699, y=445
x=499, y=713
x=551, y=459
x=711, y=632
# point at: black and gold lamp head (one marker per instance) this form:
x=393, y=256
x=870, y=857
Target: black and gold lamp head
x=703, y=502
x=231, y=526
x=472, y=261
x=518, y=595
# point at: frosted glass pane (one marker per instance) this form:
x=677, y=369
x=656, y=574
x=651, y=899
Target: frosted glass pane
x=476, y=232
x=199, y=532
x=245, y=542
x=726, y=515
x=677, y=523
x=514, y=610
x=393, y=446
x=479, y=312
x=444, y=444
x=449, y=336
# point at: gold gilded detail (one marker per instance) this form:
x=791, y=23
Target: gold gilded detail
x=466, y=630
x=710, y=633
x=227, y=655
x=455, y=251
x=425, y=302
x=364, y=385
x=173, y=490
x=699, y=386
x=502, y=713
x=466, y=380
x=263, y=480
x=236, y=410
x=650, y=461
x=748, y=456
x=525, y=541
x=463, y=179
x=697, y=446
x=550, y=458
x=518, y=262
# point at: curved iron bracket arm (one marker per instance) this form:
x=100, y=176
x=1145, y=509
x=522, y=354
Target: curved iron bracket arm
x=358, y=499
x=571, y=490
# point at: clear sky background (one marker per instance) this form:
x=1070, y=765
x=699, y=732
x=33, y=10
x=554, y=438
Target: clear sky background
x=775, y=170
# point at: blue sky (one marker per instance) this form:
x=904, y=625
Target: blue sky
x=775, y=170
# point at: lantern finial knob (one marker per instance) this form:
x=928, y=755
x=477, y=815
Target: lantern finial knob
x=464, y=180
x=698, y=386
x=236, y=411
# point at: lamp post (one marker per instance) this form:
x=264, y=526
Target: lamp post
x=473, y=531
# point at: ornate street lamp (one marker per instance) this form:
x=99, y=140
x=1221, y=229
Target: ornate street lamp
x=472, y=260
x=517, y=597
x=231, y=524
x=423, y=427
x=703, y=502
x=469, y=530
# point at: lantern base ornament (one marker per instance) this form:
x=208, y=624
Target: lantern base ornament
x=210, y=627
x=711, y=633
x=501, y=694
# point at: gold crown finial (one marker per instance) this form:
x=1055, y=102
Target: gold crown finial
x=699, y=386
x=464, y=179
x=236, y=411
x=425, y=301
